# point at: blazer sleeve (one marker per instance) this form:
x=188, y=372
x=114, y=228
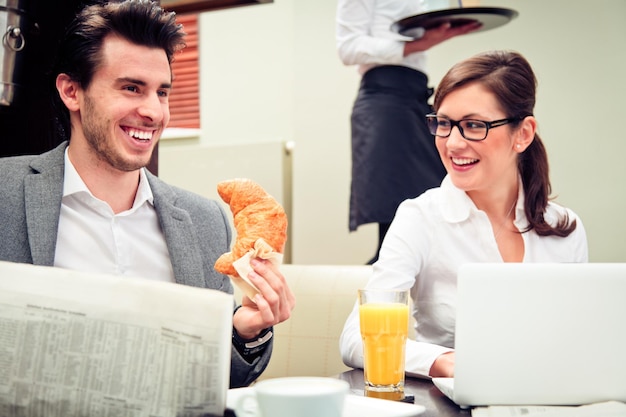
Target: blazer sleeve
x=243, y=373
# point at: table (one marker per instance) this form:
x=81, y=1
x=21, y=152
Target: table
x=426, y=394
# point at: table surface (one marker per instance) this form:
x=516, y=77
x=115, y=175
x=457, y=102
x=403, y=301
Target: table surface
x=425, y=393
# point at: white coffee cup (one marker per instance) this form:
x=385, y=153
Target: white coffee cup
x=294, y=396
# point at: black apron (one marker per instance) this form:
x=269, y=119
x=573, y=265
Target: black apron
x=393, y=154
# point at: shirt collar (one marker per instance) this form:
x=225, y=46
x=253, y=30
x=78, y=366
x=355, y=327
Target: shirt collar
x=144, y=192
x=458, y=206
x=74, y=184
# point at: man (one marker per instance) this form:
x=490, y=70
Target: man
x=91, y=205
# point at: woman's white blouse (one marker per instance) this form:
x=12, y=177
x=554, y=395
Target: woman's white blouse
x=430, y=238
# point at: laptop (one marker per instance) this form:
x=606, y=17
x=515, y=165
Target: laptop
x=539, y=334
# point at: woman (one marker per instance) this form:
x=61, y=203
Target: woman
x=493, y=205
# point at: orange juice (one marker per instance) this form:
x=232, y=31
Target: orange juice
x=384, y=329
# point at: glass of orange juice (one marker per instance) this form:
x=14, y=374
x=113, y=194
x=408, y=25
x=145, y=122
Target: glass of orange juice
x=384, y=322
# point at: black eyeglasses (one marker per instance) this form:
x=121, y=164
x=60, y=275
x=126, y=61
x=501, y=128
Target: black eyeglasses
x=470, y=129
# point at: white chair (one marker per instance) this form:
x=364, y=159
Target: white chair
x=308, y=343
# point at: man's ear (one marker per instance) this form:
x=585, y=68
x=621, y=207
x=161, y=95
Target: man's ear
x=68, y=91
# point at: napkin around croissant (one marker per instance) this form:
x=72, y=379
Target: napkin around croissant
x=261, y=226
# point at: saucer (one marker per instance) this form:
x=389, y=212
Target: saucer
x=355, y=406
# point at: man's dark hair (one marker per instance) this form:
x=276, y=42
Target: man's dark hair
x=141, y=22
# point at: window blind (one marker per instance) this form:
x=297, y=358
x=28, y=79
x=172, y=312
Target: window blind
x=185, y=96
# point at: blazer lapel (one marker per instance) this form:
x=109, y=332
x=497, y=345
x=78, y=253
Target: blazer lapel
x=180, y=235
x=43, y=191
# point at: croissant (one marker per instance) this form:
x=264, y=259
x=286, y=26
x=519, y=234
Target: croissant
x=256, y=214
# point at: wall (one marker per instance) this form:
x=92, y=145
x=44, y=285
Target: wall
x=271, y=71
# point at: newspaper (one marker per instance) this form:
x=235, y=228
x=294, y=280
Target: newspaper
x=601, y=409
x=74, y=344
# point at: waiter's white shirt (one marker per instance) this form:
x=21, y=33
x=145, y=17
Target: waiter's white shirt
x=91, y=238
x=364, y=36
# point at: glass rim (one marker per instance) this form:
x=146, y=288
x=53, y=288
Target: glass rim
x=384, y=289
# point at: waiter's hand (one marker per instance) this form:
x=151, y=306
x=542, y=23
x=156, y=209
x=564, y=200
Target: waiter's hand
x=271, y=306
x=437, y=35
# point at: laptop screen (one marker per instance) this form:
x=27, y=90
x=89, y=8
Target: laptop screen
x=540, y=334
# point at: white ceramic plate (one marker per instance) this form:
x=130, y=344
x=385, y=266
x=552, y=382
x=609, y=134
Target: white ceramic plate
x=356, y=406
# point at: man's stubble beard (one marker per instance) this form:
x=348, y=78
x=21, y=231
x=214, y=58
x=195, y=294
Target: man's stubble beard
x=96, y=132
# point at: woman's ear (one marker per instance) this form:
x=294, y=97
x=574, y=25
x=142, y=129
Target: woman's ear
x=525, y=133
x=68, y=91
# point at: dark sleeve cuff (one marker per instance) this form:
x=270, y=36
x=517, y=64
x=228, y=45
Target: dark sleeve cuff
x=250, y=349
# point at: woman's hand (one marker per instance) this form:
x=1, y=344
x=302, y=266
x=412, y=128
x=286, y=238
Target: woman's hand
x=271, y=306
x=443, y=366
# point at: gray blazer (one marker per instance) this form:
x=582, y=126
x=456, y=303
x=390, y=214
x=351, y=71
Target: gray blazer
x=196, y=230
